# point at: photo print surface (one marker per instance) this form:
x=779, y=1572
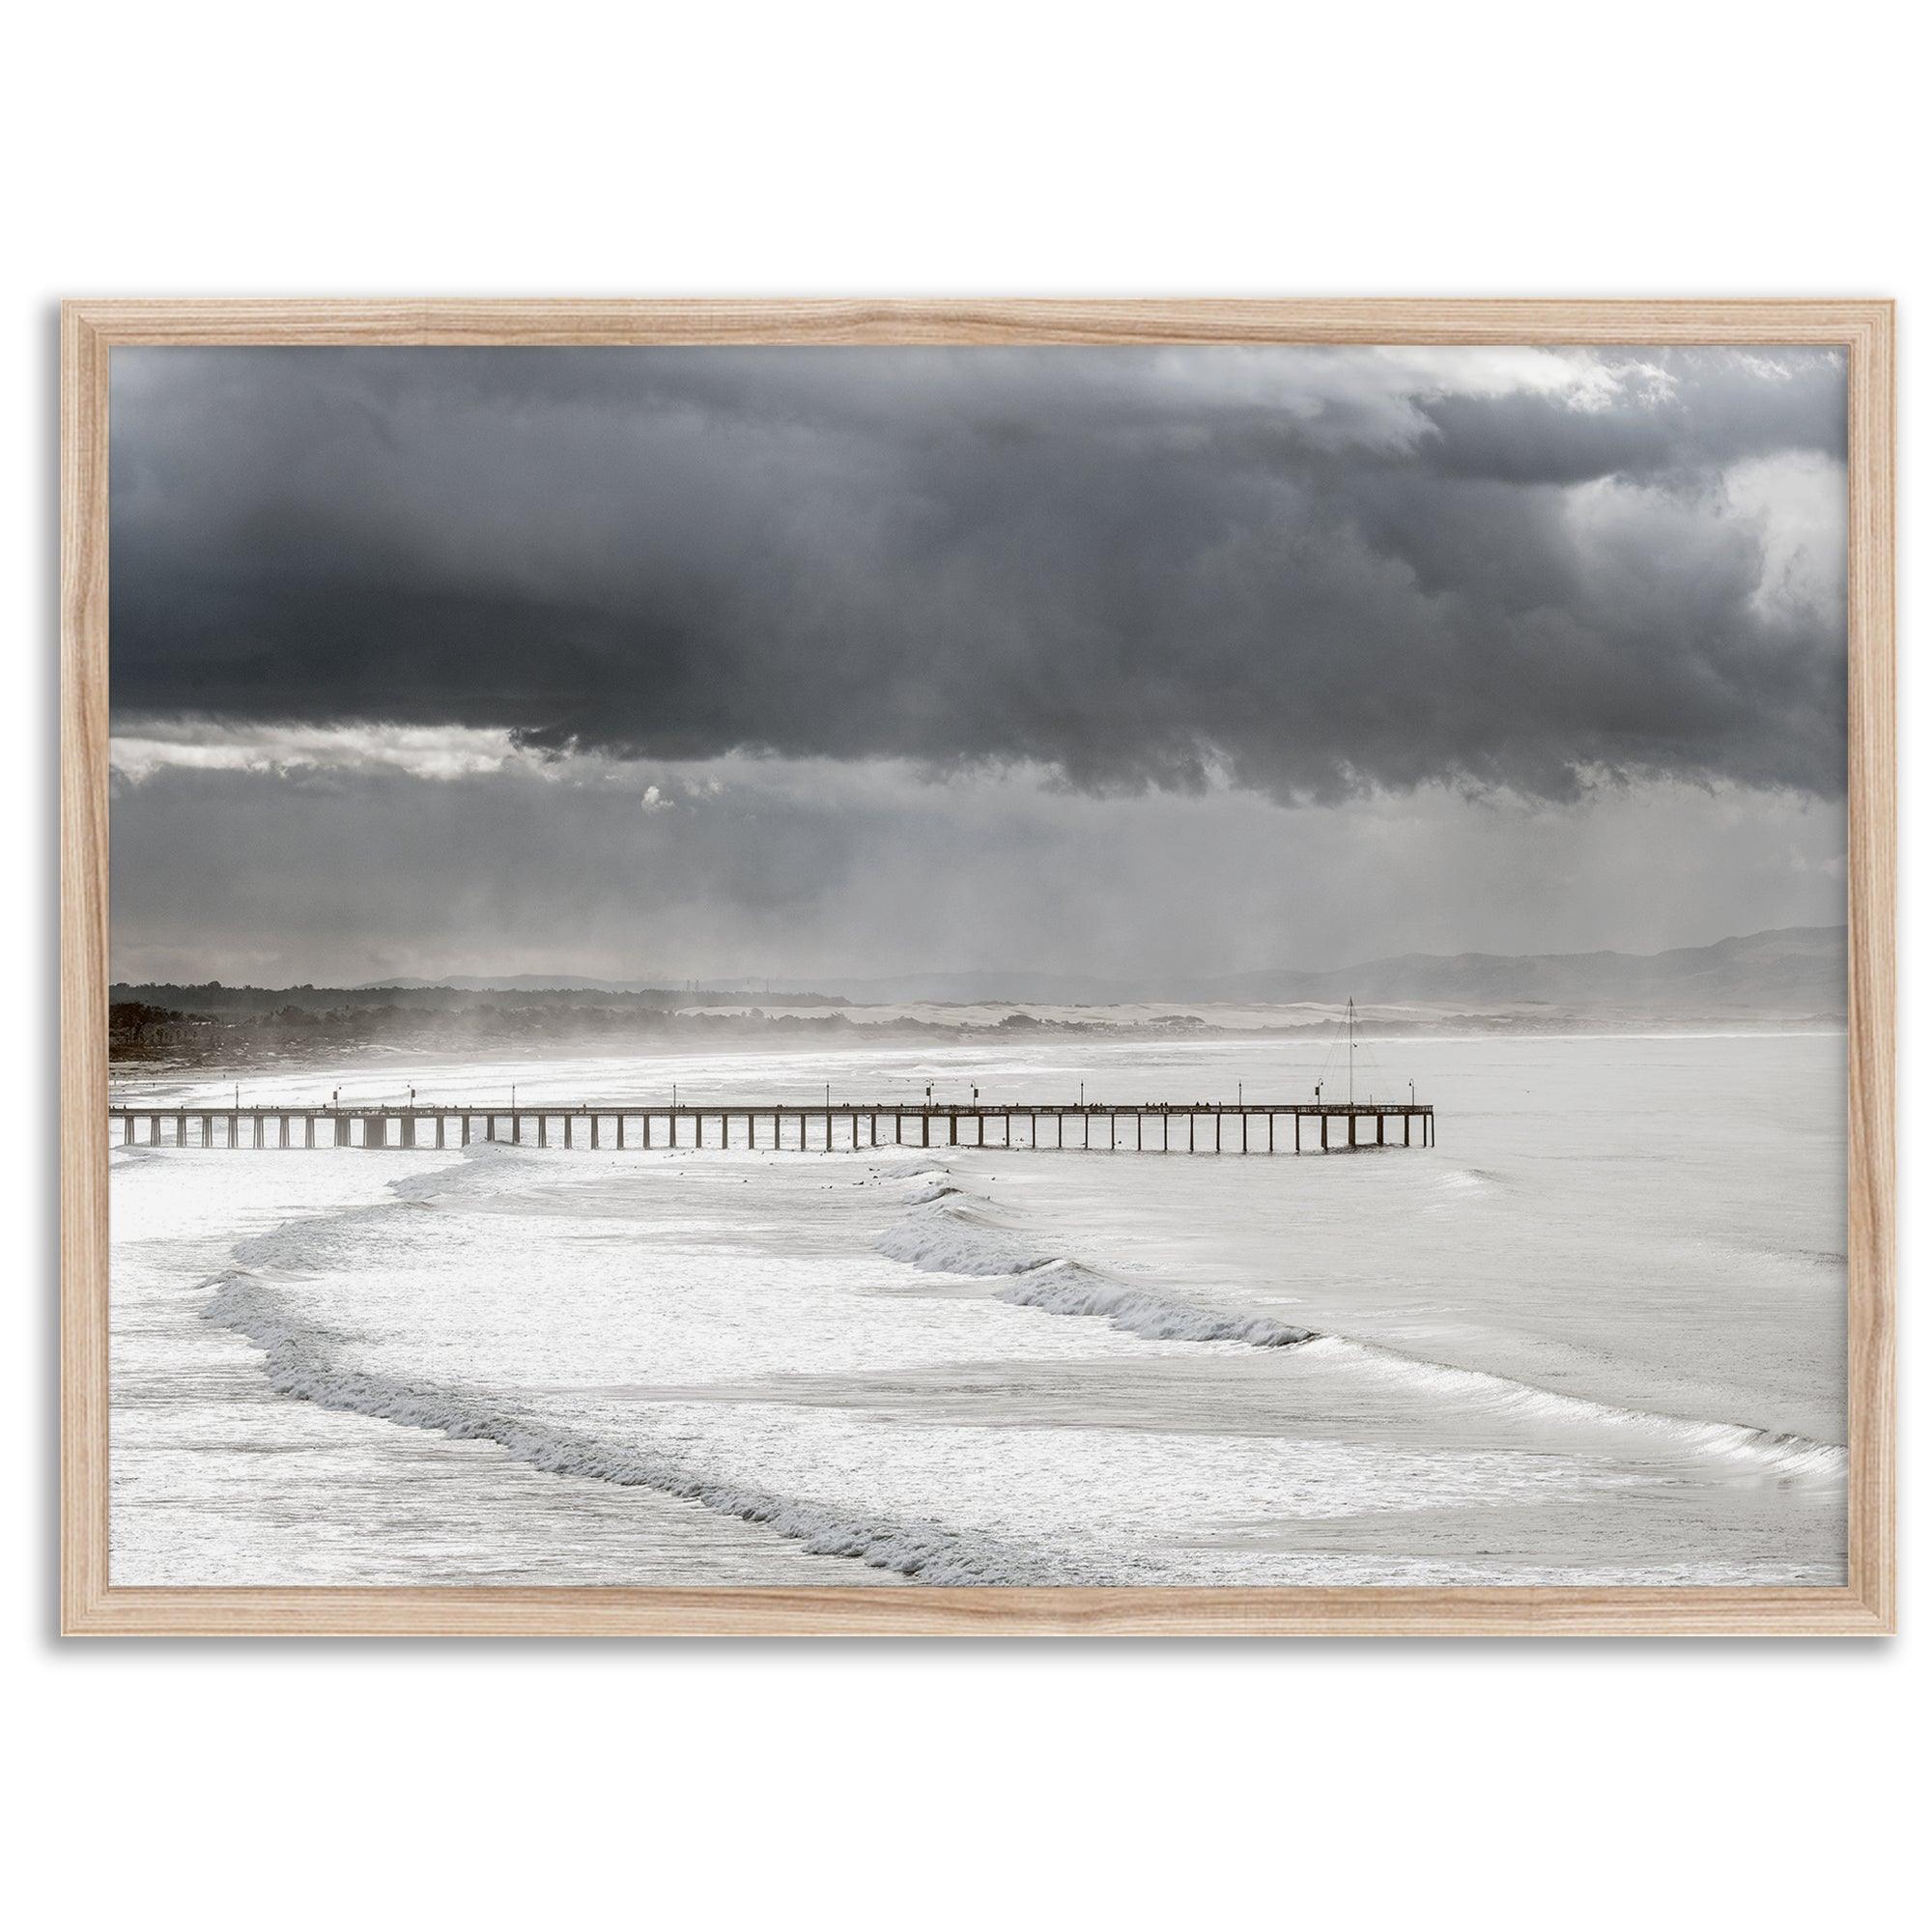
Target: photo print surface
x=880, y=966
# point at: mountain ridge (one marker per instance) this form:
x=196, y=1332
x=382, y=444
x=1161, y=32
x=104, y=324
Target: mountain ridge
x=1787, y=969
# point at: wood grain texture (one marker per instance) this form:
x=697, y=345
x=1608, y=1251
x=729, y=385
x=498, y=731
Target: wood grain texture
x=1871, y=875
x=84, y=1325
x=91, y=1605
x=507, y=322
x=923, y=1612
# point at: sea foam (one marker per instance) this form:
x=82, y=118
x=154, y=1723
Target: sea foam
x=305, y=1361
x=948, y=1232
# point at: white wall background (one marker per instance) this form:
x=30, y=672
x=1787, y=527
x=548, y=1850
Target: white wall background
x=1212, y=148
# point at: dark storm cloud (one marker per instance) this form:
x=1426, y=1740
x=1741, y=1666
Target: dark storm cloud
x=1318, y=572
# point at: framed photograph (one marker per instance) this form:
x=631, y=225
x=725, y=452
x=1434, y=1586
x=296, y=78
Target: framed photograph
x=987, y=967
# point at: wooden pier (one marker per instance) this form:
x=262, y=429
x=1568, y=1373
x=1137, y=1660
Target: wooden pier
x=1254, y=1127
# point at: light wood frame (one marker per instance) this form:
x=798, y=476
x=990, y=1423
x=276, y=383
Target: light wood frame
x=91, y=330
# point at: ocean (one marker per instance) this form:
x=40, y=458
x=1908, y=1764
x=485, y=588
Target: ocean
x=1595, y=1335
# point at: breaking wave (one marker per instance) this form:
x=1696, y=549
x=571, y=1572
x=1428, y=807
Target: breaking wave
x=305, y=1358
x=931, y=1188
x=1767, y=1451
x=946, y=1234
x=301, y=1362
x=943, y=1229
x=1064, y=1288
x=952, y=1232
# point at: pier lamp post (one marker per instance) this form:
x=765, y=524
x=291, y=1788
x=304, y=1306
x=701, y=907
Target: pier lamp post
x=1082, y=1094
x=1238, y=1094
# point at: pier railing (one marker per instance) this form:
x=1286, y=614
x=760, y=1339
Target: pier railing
x=1322, y=1126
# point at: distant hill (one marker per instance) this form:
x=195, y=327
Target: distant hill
x=713, y=990
x=1793, y=970
x=1059, y=989
x=416, y=995
x=515, y=983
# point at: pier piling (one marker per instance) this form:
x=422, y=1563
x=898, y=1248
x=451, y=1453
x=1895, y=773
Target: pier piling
x=369, y=1127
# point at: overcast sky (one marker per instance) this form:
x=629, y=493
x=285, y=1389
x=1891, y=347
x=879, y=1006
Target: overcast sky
x=708, y=661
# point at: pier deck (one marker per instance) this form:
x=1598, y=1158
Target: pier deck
x=1157, y=1128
